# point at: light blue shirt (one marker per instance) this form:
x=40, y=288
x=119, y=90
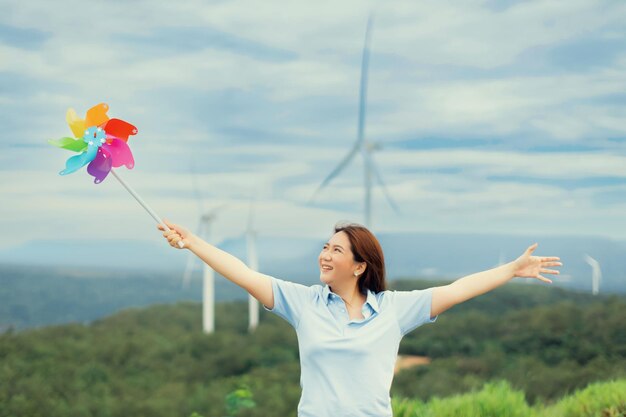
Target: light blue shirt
x=347, y=365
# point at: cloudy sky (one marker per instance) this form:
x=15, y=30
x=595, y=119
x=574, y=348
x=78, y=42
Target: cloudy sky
x=503, y=117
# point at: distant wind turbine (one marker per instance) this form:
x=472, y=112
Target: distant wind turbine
x=208, y=275
x=199, y=228
x=596, y=274
x=365, y=148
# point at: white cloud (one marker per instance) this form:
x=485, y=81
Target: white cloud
x=91, y=59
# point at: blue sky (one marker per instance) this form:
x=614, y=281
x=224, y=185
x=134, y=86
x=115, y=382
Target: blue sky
x=492, y=117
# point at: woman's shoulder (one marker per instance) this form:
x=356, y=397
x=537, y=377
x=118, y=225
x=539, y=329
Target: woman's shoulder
x=297, y=287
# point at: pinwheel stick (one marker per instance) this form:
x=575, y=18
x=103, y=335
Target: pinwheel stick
x=143, y=204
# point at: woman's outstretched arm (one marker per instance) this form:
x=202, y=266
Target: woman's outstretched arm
x=257, y=284
x=473, y=285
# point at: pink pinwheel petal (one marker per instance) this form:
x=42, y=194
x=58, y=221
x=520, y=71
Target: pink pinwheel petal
x=120, y=153
x=119, y=129
x=100, y=166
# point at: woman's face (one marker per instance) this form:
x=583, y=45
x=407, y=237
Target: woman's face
x=336, y=260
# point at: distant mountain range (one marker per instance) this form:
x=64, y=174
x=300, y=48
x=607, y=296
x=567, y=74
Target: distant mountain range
x=408, y=255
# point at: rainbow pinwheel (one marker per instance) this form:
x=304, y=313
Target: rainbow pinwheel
x=102, y=143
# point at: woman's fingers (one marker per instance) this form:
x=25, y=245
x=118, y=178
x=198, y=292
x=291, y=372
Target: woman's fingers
x=174, y=236
x=544, y=279
x=170, y=224
x=173, y=241
x=549, y=271
x=552, y=264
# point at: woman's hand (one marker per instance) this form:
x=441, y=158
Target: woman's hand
x=176, y=234
x=527, y=266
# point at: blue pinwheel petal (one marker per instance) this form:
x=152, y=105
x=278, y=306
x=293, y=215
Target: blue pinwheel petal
x=77, y=162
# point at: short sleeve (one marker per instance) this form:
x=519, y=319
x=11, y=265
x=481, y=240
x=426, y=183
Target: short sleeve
x=290, y=299
x=413, y=308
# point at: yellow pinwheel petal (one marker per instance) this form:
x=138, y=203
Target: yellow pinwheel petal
x=76, y=124
x=97, y=115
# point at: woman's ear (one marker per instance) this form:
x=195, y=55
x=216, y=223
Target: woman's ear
x=361, y=268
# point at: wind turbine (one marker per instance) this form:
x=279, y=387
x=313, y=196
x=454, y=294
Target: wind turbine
x=365, y=148
x=596, y=275
x=253, y=263
x=199, y=228
x=208, y=275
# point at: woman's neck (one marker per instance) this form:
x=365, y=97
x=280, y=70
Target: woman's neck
x=350, y=294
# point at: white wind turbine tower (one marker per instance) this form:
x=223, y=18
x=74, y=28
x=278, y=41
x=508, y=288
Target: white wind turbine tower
x=253, y=263
x=365, y=148
x=596, y=276
x=208, y=275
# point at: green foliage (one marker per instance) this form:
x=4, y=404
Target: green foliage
x=546, y=351
x=405, y=407
x=602, y=399
x=494, y=400
x=156, y=362
x=238, y=400
x=498, y=399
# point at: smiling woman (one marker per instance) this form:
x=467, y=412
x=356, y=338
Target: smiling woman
x=350, y=328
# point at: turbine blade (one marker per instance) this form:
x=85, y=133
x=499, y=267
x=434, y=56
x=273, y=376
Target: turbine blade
x=253, y=260
x=363, y=87
x=250, y=227
x=190, y=262
x=379, y=178
x=196, y=190
x=344, y=162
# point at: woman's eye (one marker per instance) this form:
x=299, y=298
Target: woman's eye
x=337, y=250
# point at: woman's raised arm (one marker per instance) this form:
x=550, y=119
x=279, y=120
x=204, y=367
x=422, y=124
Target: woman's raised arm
x=461, y=290
x=257, y=284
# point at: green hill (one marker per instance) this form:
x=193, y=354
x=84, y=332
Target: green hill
x=155, y=362
x=37, y=296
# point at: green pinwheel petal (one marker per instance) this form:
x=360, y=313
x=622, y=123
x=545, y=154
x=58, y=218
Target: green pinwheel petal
x=76, y=145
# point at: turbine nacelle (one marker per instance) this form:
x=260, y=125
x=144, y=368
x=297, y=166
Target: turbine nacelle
x=373, y=146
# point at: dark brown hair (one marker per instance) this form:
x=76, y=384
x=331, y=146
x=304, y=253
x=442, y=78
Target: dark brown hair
x=365, y=248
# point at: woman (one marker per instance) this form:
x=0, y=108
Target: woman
x=349, y=330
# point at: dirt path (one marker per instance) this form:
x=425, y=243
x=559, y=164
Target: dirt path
x=408, y=361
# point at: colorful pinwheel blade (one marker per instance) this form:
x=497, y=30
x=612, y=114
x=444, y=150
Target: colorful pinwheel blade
x=76, y=145
x=77, y=125
x=100, y=167
x=120, y=129
x=97, y=115
x=120, y=153
x=76, y=162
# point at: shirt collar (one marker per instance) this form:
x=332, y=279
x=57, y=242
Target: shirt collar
x=371, y=297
